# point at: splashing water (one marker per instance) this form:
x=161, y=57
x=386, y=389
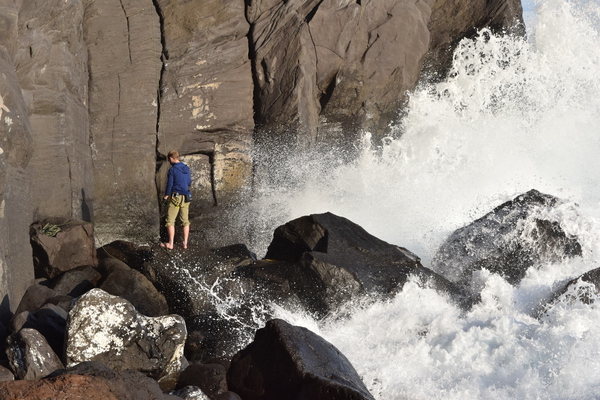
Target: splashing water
x=513, y=115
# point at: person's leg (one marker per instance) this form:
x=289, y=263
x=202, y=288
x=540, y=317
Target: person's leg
x=185, y=221
x=170, y=224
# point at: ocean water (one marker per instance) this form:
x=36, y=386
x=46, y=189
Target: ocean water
x=515, y=114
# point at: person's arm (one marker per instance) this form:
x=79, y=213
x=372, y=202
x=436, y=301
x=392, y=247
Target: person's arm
x=169, y=188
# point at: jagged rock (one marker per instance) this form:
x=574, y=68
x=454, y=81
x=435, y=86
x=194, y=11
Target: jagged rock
x=211, y=378
x=130, y=253
x=52, y=68
x=60, y=245
x=508, y=241
x=30, y=355
x=124, y=52
x=108, y=329
x=329, y=260
x=572, y=290
x=350, y=64
x=453, y=20
x=76, y=281
x=6, y=375
x=91, y=381
x=50, y=321
x=289, y=362
x=122, y=281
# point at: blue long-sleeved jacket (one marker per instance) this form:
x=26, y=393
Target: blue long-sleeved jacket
x=179, y=179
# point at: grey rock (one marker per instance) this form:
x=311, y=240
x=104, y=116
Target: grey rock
x=508, y=241
x=108, y=329
x=6, y=375
x=16, y=208
x=190, y=393
x=53, y=75
x=57, y=252
x=289, y=362
x=49, y=320
x=35, y=297
x=123, y=281
x=124, y=52
x=30, y=356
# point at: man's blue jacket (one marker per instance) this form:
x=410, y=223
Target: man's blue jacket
x=179, y=179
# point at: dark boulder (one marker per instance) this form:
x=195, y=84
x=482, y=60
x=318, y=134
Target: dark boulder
x=329, y=260
x=211, y=378
x=186, y=278
x=289, y=362
x=30, y=355
x=130, y=253
x=35, y=297
x=123, y=281
x=76, y=281
x=107, y=328
x=6, y=375
x=60, y=245
x=574, y=291
x=508, y=241
x=50, y=321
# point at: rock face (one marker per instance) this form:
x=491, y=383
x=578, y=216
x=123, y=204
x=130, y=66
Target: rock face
x=124, y=61
x=16, y=145
x=512, y=238
x=288, y=362
x=53, y=75
x=349, y=64
x=108, y=329
x=30, y=355
x=329, y=260
x=60, y=245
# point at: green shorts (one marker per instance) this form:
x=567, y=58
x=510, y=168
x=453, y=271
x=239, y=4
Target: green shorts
x=178, y=206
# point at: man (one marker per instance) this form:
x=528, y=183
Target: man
x=179, y=180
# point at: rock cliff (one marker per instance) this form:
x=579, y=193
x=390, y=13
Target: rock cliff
x=94, y=93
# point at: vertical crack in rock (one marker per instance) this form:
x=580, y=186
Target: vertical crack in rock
x=253, y=68
x=213, y=178
x=128, y=31
x=163, y=58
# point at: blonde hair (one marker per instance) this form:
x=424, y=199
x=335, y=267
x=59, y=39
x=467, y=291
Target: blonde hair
x=174, y=154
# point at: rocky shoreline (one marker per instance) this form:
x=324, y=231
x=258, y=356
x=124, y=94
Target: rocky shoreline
x=126, y=321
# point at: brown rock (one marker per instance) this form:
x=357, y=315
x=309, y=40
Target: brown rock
x=130, y=253
x=124, y=49
x=60, y=245
x=35, y=297
x=60, y=388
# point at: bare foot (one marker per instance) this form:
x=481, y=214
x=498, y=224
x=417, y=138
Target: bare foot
x=185, y=245
x=166, y=246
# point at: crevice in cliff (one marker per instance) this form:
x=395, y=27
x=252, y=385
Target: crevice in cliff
x=253, y=67
x=164, y=57
x=128, y=31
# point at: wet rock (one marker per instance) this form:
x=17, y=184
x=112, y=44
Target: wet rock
x=509, y=240
x=227, y=396
x=75, y=282
x=108, y=329
x=187, y=278
x=50, y=321
x=30, y=355
x=60, y=245
x=211, y=378
x=122, y=281
x=329, y=260
x=289, y=362
x=130, y=253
